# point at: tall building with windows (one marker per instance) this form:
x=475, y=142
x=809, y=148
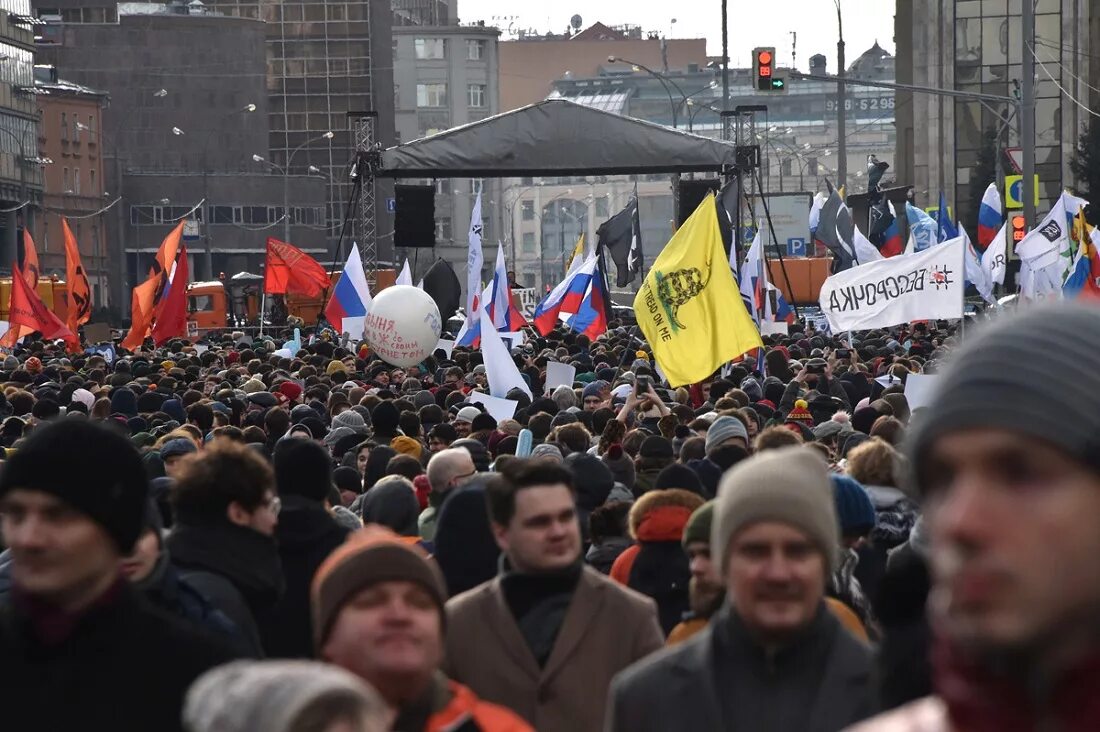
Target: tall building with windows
x=328, y=61
x=445, y=76
x=20, y=163
x=978, y=46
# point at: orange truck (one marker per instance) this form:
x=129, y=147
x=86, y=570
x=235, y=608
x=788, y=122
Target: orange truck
x=53, y=291
x=806, y=275
x=235, y=302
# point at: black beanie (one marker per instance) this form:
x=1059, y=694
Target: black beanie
x=90, y=467
x=1001, y=378
x=678, y=476
x=656, y=447
x=302, y=468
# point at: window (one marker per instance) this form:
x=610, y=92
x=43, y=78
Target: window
x=431, y=95
x=441, y=186
x=811, y=166
x=76, y=181
x=601, y=207
x=443, y=230
x=64, y=126
x=528, y=242
x=475, y=95
x=91, y=183
x=429, y=48
x=64, y=180
x=476, y=186
x=528, y=279
x=528, y=208
x=475, y=50
x=785, y=167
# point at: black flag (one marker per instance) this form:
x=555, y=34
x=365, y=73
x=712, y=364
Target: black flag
x=621, y=235
x=727, y=203
x=442, y=284
x=835, y=229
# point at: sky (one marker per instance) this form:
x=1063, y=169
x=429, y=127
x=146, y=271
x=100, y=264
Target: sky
x=814, y=22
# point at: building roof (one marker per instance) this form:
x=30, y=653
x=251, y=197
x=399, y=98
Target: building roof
x=45, y=78
x=872, y=62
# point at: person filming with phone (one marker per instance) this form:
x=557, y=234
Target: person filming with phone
x=815, y=378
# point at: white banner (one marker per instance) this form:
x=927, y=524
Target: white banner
x=924, y=286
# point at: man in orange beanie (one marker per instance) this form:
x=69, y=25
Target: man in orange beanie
x=377, y=606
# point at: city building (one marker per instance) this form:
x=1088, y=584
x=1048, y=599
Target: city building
x=424, y=12
x=20, y=163
x=446, y=76
x=535, y=61
x=70, y=133
x=329, y=62
x=797, y=135
x=977, y=46
x=188, y=113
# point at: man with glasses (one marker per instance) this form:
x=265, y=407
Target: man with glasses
x=223, y=543
x=447, y=470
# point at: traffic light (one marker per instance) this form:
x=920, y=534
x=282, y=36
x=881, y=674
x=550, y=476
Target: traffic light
x=768, y=79
x=1019, y=228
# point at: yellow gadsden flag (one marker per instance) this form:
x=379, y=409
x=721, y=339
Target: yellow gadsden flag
x=689, y=307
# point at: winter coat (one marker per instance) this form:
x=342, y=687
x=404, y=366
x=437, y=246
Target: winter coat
x=657, y=565
x=793, y=392
x=606, y=628
x=602, y=556
x=234, y=567
x=125, y=667
x=306, y=535
x=720, y=679
x=895, y=516
x=645, y=479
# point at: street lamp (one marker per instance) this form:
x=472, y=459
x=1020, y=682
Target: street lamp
x=659, y=77
x=209, y=253
x=841, y=114
x=177, y=131
x=286, y=176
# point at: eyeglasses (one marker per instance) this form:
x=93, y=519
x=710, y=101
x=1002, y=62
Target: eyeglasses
x=275, y=505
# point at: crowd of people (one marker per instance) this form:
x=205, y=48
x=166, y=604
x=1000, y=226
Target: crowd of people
x=216, y=537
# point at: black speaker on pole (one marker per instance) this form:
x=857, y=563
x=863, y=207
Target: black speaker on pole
x=414, y=216
x=692, y=193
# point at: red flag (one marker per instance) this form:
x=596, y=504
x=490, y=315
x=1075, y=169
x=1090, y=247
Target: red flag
x=145, y=297
x=171, y=312
x=80, y=301
x=30, y=267
x=28, y=310
x=288, y=269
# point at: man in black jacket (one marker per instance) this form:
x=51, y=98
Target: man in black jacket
x=774, y=659
x=223, y=541
x=80, y=648
x=307, y=533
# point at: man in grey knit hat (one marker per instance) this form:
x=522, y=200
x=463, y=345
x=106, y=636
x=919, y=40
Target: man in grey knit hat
x=1007, y=461
x=774, y=658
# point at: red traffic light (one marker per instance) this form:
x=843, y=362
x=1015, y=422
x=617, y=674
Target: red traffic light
x=1019, y=228
x=764, y=57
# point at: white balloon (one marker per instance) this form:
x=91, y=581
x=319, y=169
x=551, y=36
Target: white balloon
x=403, y=325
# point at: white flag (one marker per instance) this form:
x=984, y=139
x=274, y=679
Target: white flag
x=750, y=270
x=474, y=260
x=924, y=286
x=865, y=251
x=1048, y=243
x=405, y=277
x=973, y=267
x=500, y=370
x=994, y=259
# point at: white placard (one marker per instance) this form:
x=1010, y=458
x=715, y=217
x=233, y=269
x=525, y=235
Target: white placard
x=514, y=339
x=500, y=409
x=924, y=286
x=199, y=348
x=770, y=327
x=919, y=389
x=559, y=374
x=446, y=345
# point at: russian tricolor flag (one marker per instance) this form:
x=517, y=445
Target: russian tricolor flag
x=470, y=333
x=350, y=302
x=891, y=238
x=591, y=318
x=566, y=297
x=990, y=216
x=502, y=307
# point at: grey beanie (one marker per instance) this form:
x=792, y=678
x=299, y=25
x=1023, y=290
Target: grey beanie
x=352, y=420
x=790, y=485
x=423, y=398
x=723, y=429
x=1001, y=378
x=546, y=450
x=752, y=389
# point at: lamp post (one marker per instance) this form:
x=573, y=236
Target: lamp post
x=665, y=81
x=286, y=177
x=841, y=113
x=209, y=252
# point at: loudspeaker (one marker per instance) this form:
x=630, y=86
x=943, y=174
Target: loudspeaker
x=692, y=193
x=414, y=216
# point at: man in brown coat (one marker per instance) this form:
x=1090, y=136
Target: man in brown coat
x=546, y=636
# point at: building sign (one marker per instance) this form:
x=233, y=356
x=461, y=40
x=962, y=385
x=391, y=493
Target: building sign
x=862, y=104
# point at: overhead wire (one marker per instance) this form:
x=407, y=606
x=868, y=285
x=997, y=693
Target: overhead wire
x=1061, y=88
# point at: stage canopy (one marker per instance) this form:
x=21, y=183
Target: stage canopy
x=555, y=137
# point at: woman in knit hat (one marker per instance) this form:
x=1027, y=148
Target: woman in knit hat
x=654, y=455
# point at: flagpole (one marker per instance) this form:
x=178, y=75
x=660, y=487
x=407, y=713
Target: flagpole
x=263, y=306
x=778, y=249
